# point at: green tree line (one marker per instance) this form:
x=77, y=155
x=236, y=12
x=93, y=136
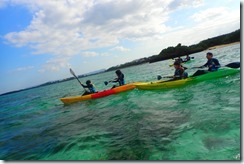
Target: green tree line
x=182, y=50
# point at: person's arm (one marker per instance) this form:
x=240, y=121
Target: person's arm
x=217, y=63
x=115, y=80
x=205, y=65
x=85, y=86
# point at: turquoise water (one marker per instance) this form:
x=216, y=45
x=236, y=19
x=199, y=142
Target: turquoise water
x=196, y=122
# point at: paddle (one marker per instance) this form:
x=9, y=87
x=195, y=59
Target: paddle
x=160, y=77
x=106, y=83
x=231, y=65
x=72, y=72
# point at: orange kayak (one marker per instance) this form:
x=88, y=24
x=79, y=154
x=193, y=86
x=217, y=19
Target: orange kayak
x=73, y=99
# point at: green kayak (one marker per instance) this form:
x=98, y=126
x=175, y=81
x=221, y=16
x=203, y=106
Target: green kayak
x=223, y=72
x=229, y=69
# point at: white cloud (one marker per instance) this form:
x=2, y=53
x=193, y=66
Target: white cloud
x=66, y=28
x=55, y=65
x=3, y=3
x=185, y=3
x=105, y=54
x=94, y=54
x=89, y=54
x=209, y=14
x=24, y=68
x=70, y=27
x=216, y=21
x=120, y=48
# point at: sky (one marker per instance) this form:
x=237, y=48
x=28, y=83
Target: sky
x=41, y=40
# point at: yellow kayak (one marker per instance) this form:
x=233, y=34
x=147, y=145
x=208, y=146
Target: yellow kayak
x=161, y=84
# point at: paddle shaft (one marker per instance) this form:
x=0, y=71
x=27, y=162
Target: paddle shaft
x=231, y=65
x=106, y=82
x=72, y=72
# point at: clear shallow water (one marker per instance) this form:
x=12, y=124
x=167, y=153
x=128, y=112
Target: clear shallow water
x=196, y=122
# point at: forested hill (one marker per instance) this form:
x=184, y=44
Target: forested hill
x=181, y=50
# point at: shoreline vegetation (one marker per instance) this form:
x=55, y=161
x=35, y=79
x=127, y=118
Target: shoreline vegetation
x=167, y=53
x=182, y=50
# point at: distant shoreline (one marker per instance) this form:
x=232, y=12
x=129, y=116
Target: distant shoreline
x=222, y=45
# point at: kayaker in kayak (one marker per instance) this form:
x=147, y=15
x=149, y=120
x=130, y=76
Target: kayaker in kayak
x=179, y=72
x=212, y=64
x=90, y=87
x=187, y=58
x=179, y=59
x=119, y=79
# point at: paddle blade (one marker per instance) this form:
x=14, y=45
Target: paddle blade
x=159, y=77
x=233, y=65
x=72, y=72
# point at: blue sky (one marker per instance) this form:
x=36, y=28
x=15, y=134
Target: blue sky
x=41, y=40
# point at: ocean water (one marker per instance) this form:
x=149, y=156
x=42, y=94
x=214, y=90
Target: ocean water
x=200, y=121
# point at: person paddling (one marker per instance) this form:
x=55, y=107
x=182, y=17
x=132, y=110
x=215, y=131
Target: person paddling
x=90, y=87
x=179, y=72
x=187, y=58
x=212, y=64
x=179, y=59
x=119, y=79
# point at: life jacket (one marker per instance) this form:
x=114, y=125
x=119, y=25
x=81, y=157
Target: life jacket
x=180, y=73
x=212, y=62
x=213, y=68
x=121, y=79
x=185, y=75
x=121, y=82
x=91, y=88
